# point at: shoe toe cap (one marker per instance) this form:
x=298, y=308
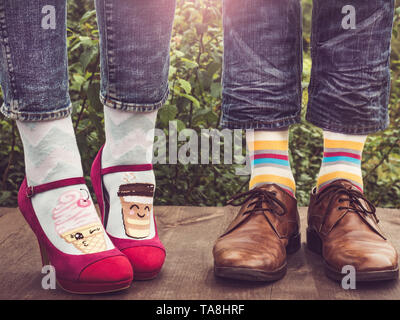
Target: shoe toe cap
x=145, y=258
x=267, y=260
x=111, y=269
x=363, y=255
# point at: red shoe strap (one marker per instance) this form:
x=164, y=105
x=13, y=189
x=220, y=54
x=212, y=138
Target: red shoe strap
x=127, y=168
x=32, y=190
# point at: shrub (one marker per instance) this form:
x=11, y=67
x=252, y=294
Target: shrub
x=195, y=103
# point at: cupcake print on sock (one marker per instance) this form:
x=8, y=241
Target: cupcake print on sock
x=77, y=222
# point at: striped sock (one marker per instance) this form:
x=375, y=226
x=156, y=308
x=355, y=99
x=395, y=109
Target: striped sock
x=342, y=159
x=270, y=159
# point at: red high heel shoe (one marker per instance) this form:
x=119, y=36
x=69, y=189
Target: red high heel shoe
x=101, y=272
x=147, y=256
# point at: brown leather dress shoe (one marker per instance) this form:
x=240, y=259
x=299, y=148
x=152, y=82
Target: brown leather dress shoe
x=343, y=228
x=255, y=244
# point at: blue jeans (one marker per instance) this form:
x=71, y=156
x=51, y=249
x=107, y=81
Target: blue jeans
x=350, y=78
x=348, y=93
x=134, y=47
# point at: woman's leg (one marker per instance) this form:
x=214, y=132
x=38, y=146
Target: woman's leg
x=135, y=42
x=34, y=74
x=34, y=79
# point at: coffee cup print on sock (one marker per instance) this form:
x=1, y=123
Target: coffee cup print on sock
x=137, y=205
x=77, y=222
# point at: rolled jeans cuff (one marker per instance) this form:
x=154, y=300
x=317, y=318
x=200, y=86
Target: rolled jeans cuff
x=133, y=106
x=356, y=129
x=261, y=124
x=12, y=112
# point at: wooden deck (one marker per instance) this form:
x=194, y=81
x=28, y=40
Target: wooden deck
x=188, y=234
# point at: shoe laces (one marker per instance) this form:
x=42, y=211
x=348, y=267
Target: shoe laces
x=357, y=200
x=257, y=197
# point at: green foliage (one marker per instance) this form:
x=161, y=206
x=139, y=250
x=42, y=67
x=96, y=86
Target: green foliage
x=195, y=102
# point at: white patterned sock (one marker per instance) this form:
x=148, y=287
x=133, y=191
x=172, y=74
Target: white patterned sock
x=129, y=140
x=67, y=215
x=50, y=149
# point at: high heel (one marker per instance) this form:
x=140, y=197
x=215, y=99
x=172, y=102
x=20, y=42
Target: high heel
x=100, y=272
x=43, y=254
x=147, y=256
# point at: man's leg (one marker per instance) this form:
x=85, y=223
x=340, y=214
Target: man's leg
x=348, y=99
x=135, y=42
x=261, y=82
x=262, y=92
x=349, y=89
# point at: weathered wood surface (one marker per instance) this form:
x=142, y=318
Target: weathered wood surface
x=188, y=234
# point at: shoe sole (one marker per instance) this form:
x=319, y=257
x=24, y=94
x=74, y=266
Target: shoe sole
x=144, y=276
x=85, y=287
x=248, y=274
x=314, y=244
x=93, y=288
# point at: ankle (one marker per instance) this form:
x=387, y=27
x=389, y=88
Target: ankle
x=341, y=159
x=129, y=137
x=269, y=155
x=50, y=150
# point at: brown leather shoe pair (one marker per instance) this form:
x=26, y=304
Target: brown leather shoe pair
x=342, y=227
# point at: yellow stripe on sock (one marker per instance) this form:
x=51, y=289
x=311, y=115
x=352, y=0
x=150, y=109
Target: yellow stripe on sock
x=340, y=174
x=269, y=145
x=273, y=178
x=340, y=144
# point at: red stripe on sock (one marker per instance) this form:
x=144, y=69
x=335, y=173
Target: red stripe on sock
x=269, y=155
x=288, y=191
x=342, y=154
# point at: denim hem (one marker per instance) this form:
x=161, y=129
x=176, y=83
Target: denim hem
x=133, y=106
x=267, y=125
x=346, y=129
x=7, y=111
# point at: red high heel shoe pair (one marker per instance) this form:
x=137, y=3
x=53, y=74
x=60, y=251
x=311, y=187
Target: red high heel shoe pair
x=106, y=271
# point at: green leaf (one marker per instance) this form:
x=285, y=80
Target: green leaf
x=189, y=63
x=216, y=89
x=87, y=16
x=89, y=54
x=93, y=96
x=191, y=98
x=185, y=85
x=168, y=113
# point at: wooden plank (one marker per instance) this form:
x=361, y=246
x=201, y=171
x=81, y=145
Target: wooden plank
x=188, y=234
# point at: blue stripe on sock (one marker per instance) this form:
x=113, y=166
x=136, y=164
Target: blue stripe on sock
x=272, y=161
x=335, y=159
